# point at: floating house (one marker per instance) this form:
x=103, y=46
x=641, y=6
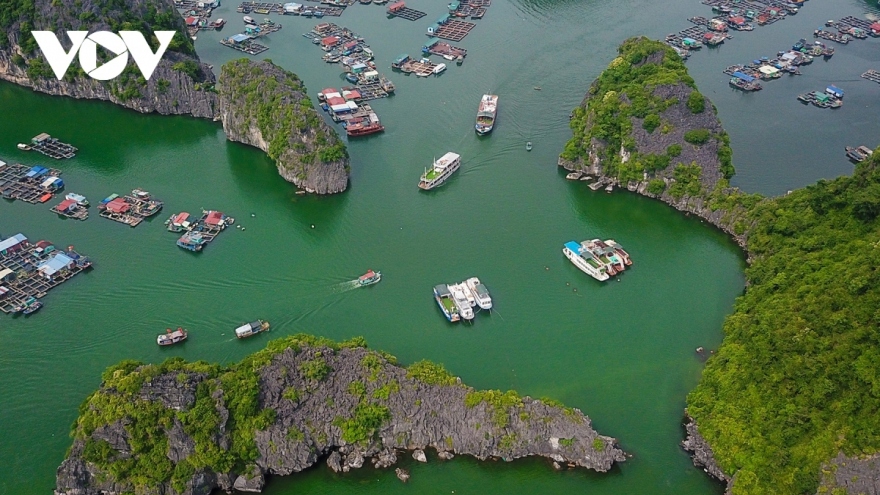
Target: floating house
x=118, y=205
x=40, y=138
x=768, y=71
x=59, y=263
x=329, y=42
x=744, y=77
x=191, y=21
x=13, y=244
x=399, y=61
x=239, y=38
x=875, y=29
x=395, y=7
x=66, y=206
x=453, y=6
x=52, y=184
x=6, y=275
x=215, y=219
x=834, y=91
x=36, y=172
x=43, y=247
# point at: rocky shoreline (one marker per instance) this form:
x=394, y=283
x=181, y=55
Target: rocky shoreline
x=310, y=399
x=701, y=453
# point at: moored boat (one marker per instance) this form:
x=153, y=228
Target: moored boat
x=854, y=154
x=460, y=294
x=447, y=305
x=480, y=292
x=252, y=328
x=192, y=241
x=24, y=147
x=80, y=199
x=486, y=114
x=370, y=125
x=584, y=261
x=369, y=278
x=249, y=20
x=529, y=146
x=169, y=337
x=441, y=170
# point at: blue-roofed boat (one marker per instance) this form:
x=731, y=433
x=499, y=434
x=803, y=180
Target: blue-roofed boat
x=447, y=305
x=584, y=261
x=79, y=198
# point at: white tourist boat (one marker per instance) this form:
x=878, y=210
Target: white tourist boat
x=441, y=170
x=583, y=259
x=79, y=198
x=460, y=298
x=480, y=292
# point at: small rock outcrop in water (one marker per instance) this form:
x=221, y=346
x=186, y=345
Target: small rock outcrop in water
x=190, y=428
x=179, y=85
x=644, y=126
x=266, y=106
x=701, y=453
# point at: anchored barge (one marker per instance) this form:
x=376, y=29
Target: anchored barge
x=598, y=259
x=52, y=147
x=28, y=271
x=131, y=209
x=440, y=170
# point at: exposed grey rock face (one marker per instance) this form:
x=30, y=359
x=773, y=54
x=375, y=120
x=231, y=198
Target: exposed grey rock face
x=308, y=152
x=852, y=474
x=312, y=418
x=402, y=474
x=168, y=91
x=419, y=455
x=701, y=453
x=706, y=156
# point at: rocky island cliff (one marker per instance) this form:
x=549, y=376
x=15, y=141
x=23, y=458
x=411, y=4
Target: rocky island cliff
x=788, y=404
x=266, y=106
x=189, y=428
x=181, y=84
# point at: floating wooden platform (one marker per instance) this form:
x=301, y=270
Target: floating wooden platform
x=248, y=46
x=14, y=184
x=408, y=14
x=28, y=280
x=51, y=147
x=454, y=30
x=137, y=210
x=872, y=75
x=419, y=68
x=260, y=8
x=863, y=24
x=77, y=212
x=446, y=50
x=835, y=37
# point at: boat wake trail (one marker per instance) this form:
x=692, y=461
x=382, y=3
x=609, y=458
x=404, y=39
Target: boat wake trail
x=344, y=287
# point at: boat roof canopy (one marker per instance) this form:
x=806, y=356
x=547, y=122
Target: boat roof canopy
x=573, y=247
x=744, y=77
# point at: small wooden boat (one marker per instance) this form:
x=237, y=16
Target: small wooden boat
x=529, y=146
x=24, y=147
x=29, y=306
x=369, y=278
x=252, y=328
x=170, y=338
x=249, y=20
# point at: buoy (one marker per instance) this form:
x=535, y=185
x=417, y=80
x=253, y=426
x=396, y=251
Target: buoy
x=567, y=284
x=547, y=268
x=242, y=229
x=313, y=225
x=575, y=289
x=253, y=215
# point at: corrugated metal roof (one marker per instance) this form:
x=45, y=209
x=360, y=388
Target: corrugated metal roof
x=12, y=241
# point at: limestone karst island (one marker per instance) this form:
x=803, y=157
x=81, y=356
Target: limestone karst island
x=378, y=246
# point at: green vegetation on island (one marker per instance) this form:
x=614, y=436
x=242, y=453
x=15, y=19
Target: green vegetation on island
x=797, y=378
x=647, y=88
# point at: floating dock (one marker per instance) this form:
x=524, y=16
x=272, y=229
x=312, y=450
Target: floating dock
x=420, y=68
x=131, y=209
x=31, y=270
x=244, y=43
x=33, y=185
x=200, y=232
x=399, y=9
x=835, y=37
x=52, y=147
x=453, y=30
x=444, y=50
x=71, y=209
x=872, y=75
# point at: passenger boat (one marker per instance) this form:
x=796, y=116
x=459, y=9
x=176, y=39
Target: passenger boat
x=447, y=305
x=24, y=147
x=249, y=20
x=80, y=199
x=169, y=337
x=441, y=170
x=480, y=292
x=486, y=114
x=29, y=306
x=574, y=252
x=192, y=241
x=460, y=294
x=252, y=328
x=365, y=127
x=369, y=278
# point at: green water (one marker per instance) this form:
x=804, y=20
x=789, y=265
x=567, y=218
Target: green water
x=623, y=351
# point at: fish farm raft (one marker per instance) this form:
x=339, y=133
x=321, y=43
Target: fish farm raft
x=131, y=209
x=200, y=232
x=35, y=184
x=51, y=147
x=28, y=271
x=399, y=9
